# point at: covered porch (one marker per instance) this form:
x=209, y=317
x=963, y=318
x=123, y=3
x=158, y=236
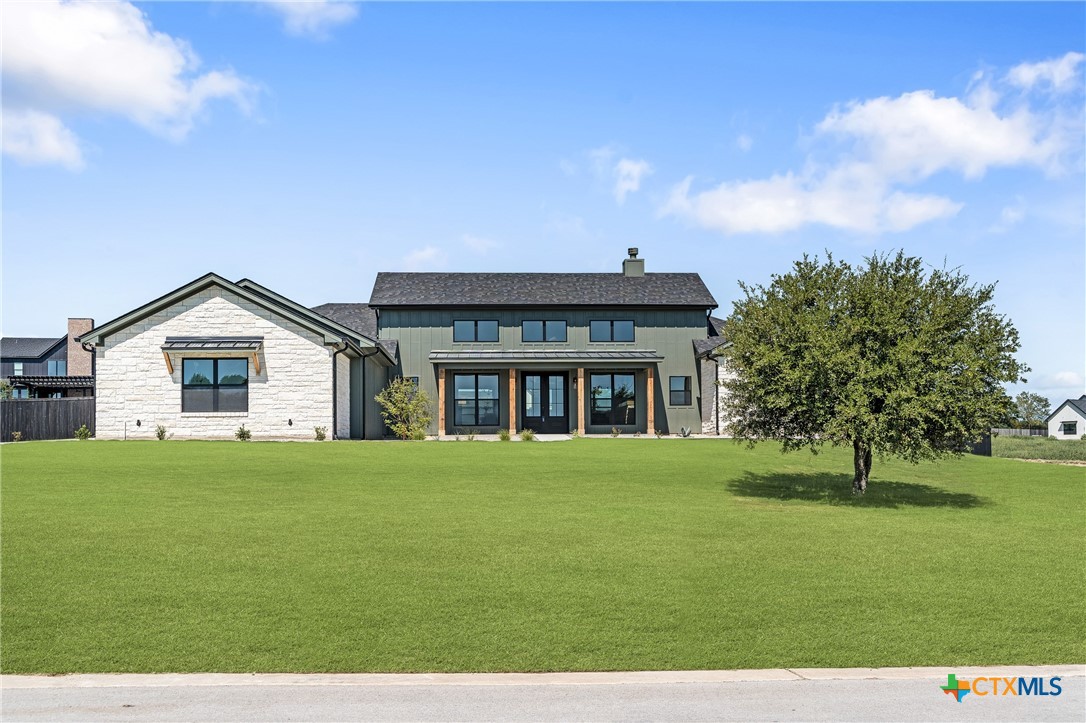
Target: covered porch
x=549, y=392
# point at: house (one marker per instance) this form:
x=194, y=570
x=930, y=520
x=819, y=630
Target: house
x=1069, y=419
x=49, y=367
x=713, y=373
x=551, y=352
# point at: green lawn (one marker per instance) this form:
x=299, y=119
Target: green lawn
x=1039, y=448
x=595, y=554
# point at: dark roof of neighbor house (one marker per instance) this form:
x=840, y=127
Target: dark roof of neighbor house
x=359, y=317
x=716, y=326
x=1079, y=405
x=52, y=382
x=702, y=347
x=539, y=289
x=26, y=347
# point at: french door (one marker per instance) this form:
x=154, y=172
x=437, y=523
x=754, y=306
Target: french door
x=545, y=408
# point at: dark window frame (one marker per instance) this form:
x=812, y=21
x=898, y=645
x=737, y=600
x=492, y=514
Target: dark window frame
x=475, y=400
x=475, y=332
x=613, y=410
x=611, y=331
x=1063, y=427
x=546, y=323
x=53, y=368
x=214, y=386
x=685, y=392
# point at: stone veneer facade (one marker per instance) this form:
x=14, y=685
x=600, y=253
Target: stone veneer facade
x=295, y=379
x=713, y=416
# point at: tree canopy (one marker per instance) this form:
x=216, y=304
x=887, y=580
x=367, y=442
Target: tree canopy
x=886, y=357
x=1030, y=410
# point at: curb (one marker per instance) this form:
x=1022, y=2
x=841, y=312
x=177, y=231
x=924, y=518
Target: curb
x=163, y=680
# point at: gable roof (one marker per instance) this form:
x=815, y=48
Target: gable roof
x=305, y=318
x=1079, y=405
x=517, y=289
x=28, y=347
x=359, y=317
x=716, y=326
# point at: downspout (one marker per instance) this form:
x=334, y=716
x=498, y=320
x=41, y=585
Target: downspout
x=338, y=349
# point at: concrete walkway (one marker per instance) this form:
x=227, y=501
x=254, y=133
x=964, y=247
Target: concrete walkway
x=793, y=694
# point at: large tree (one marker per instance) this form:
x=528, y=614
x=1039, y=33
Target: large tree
x=887, y=357
x=1030, y=410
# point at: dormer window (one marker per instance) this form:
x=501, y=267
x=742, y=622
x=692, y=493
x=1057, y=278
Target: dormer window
x=550, y=330
x=465, y=330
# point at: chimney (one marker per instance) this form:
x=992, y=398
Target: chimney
x=80, y=362
x=633, y=266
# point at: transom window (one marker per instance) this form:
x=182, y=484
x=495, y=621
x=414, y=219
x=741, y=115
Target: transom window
x=215, y=385
x=680, y=391
x=57, y=368
x=610, y=330
x=467, y=330
x=1068, y=427
x=475, y=400
x=614, y=398
x=549, y=330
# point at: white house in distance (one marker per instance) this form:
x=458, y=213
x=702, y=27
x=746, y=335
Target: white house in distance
x=1069, y=419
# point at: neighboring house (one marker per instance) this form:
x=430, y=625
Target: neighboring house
x=1069, y=419
x=48, y=367
x=713, y=373
x=551, y=352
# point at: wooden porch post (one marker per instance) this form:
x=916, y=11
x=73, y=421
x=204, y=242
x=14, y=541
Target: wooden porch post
x=440, y=402
x=580, y=401
x=512, y=401
x=650, y=407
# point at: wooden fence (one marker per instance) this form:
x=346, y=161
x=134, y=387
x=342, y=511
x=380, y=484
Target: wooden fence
x=1026, y=432
x=45, y=418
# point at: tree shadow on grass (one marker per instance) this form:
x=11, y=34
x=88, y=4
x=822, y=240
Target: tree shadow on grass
x=836, y=489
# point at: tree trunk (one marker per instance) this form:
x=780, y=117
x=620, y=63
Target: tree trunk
x=861, y=462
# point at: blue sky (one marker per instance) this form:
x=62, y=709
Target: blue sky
x=308, y=146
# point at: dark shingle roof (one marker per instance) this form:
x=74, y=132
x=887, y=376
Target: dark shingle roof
x=716, y=326
x=359, y=317
x=486, y=289
x=23, y=347
x=704, y=346
x=1079, y=404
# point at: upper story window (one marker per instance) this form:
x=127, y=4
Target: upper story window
x=16, y=369
x=215, y=385
x=466, y=330
x=58, y=368
x=610, y=331
x=543, y=331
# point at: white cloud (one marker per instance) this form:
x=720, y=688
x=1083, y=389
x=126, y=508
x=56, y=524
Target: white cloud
x=313, y=18
x=1059, y=74
x=34, y=138
x=428, y=257
x=1068, y=379
x=878, y=147
x=744, y=142
x=628, y=174
x=478, y=244
x=1010, y=216
x=94, y=57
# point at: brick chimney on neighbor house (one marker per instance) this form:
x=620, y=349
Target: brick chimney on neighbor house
x=633, y=266
x=80, y=362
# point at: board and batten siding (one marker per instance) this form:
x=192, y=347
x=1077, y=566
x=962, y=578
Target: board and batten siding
x=294, y=382
x=669, y=332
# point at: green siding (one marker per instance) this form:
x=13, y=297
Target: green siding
x=670, y=332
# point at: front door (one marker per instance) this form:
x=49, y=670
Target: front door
x=545, y=409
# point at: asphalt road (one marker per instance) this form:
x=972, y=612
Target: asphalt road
x=796, y=698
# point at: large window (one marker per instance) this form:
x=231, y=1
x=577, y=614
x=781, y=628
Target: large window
x=543, y=331
x=1068, y=427
x=613, y=399
x=475, y=400
x=215, y=385
x=680, y=391
x=610, y=331
x=467, y=330
x=57, y=368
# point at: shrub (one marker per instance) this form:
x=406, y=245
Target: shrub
x=16, y=436
x=574, y=434
x=83, y=434
x=6, y=390
x=684, y=431
x=615, y=431
x=503, y=435
x=160, y=432
x=660, y=434
x=527, y=435
x=471, y=434
x=419, y=435
x=321, y=433
x=242, y=434
x=405, y=408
